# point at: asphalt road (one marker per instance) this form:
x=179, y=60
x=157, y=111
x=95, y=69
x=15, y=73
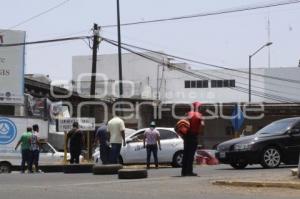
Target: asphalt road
x=162, y=183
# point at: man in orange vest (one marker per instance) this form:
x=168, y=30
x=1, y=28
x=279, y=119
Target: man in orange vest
x=191, y=140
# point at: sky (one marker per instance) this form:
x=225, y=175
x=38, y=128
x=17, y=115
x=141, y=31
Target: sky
x=226, y=39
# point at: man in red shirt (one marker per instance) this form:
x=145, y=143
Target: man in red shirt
x=191, y=140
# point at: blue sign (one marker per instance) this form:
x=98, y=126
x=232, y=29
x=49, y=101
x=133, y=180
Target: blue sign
x=8, y=131
x=237, y=118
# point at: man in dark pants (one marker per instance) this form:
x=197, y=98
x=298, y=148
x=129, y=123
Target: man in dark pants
x=152, y=138
x=25, y=150
x=102, y=138
x=75, y=137
x=191, y=140
x=35, y=147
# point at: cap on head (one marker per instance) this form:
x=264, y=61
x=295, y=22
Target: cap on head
x=152, y=124
x=75, y=125
x=196, y=105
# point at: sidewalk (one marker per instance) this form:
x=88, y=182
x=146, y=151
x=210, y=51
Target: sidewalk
x=278, y=180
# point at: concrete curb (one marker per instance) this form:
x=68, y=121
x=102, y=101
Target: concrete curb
x=283, y=184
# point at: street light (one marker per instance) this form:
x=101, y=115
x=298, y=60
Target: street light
x=250, y=57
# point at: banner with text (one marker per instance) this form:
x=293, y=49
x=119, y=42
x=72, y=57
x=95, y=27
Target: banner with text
x=12, y=67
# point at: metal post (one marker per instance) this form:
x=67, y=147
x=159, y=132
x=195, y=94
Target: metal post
x=119, y=50
x=250, y=78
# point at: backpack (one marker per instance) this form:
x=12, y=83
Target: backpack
x=182, y=127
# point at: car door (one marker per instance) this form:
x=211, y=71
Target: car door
x=47, y=155
x=293, y=146
x=168, y=141
x=134, y=152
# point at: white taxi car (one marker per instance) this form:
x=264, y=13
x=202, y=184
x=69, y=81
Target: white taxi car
x=134, y=152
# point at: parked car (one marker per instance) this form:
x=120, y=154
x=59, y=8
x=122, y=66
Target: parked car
x=134, y=152
x=278, y=142
x=48, y=156
x=206, y=156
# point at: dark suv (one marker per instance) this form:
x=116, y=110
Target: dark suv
x=277, y=142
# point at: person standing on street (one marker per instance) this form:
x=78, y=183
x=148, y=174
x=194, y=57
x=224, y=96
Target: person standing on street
x=116, y=131
x=102, y=138
x=76, y=141
x=152, y=138
x=25, y=150
x=191, y=140
x=35, y=147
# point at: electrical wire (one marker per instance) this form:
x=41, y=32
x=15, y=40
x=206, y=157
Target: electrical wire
x=205, y=14
x=213, y=65
x=38, y=15
x=241, y=89
x=45, y=41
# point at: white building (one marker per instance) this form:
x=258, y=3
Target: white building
x=144, y=79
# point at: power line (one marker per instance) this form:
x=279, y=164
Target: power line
x=213, y=65
x=38, y=15
x=240, y=89
x=205, y=14
x=45, y=41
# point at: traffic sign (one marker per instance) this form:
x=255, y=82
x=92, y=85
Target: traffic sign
x=85, y=124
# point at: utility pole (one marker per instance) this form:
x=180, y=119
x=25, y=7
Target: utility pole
x=96, y=42
x=119, y=51
x=96, y=30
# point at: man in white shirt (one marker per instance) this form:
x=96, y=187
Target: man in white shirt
x=116, y=130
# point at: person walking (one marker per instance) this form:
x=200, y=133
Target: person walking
x=191, y=139
x=116, y=131
x=76, y=141
x=35, y=147
x=151, y=140
x=101, y=138
x=25, y=150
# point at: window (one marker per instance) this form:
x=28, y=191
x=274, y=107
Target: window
x=45, y=148
x=199, y=84
x=166, y=134
x=205, y=84
x=138, y=137
x=196, y=84
x=232, y=83
x=193, y=84
x=187, y=84
x=213, y=83
x=222, y=83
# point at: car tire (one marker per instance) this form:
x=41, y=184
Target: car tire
x=5, y=167
x=239, y=164
x=177, y=159
x=77, y=168
x=106, y=169
x=271, y=157
x=132, y=173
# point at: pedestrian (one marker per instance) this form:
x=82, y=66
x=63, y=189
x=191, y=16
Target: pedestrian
x=191, y=139
x=76, y=142
x=35, y=147
x=151, y=140
x=116, y=131
x=101, y=138
x=25, y=150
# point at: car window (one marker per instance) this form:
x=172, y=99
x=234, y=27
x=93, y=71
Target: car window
x=276, y=128
x=138, y=137
x=45, y=148
x=166, y=134
x=297, y=126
